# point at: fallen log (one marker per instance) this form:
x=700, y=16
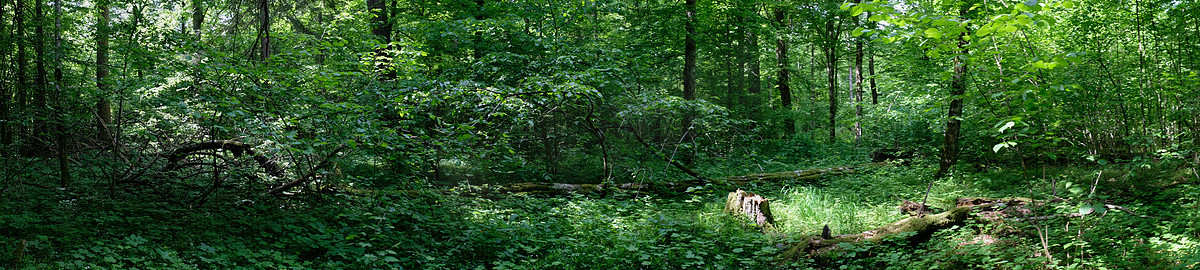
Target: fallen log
x=798, y=175
x=922, y=229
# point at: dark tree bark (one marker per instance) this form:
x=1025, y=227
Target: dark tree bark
x=5, y=133
x=39, y=133
x=858, y=84
x=753, y=71
x=689, y=73
x=958, y=86
x=782, y=82
x=197, y=18
x=831, y=44
x=260, y=51
x=39, y=50
x=871, y=70
x=382, y=29
x=64, y=168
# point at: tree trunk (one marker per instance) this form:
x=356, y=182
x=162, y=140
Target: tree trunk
x=5, y=108
x=958, y=86
x=264, y=31
x=858, y=84
x=871, y=69
x=382, y=29
x=197, y=18
x=103, y=107
x=689, y=74
x=782, y=82
x=753, y=72
x=831, y=43
x=60, y=134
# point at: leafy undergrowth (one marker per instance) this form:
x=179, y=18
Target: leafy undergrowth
x=455, y=230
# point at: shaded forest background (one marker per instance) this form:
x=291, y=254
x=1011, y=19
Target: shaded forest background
x=115, y=112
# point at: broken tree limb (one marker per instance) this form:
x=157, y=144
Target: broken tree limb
x=234, y=147
x=328, y=160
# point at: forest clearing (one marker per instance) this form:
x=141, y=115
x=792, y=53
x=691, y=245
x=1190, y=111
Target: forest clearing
x=599, y=134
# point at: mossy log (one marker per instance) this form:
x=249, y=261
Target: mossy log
x=750, y=205
x=799, y=175
x=542, y=188
x=921, y=227
x=917, y=228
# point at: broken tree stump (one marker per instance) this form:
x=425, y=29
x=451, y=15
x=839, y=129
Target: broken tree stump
x=750, y=205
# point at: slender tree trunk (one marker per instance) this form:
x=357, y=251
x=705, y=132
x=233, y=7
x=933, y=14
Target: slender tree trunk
x=831, y=44
x=689, y=72
x=6, y=136
x=264, y=31
x=753, y=72
x=958, y=86
x=871, y=69
x=39, y=49
x=103, y=107
x=782, y=82
x=38, y=107
x=858, y=84
x=21, y=100
x=64, y=168
x=197, y=27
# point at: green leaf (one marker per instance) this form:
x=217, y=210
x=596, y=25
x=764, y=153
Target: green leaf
x=1086, y=209
x=933, y=33
x=857, y=31
x=1007, y=126
x=983, y=31
x=1076, y=190
x=857, y=10
x=875, y=17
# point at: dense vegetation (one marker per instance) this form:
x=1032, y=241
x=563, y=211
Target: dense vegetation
x=595, y=134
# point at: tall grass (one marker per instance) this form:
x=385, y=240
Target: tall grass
x=806, y=210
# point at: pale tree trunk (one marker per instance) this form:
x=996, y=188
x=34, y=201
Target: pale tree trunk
x=103, y=107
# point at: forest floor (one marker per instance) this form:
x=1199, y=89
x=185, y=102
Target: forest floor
x=470, y=227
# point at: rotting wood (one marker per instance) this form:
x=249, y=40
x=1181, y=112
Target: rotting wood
x=751, y=206
x=923, y=227
x=797, y=175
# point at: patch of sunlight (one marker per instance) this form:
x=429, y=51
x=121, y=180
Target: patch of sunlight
x=805, y=210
